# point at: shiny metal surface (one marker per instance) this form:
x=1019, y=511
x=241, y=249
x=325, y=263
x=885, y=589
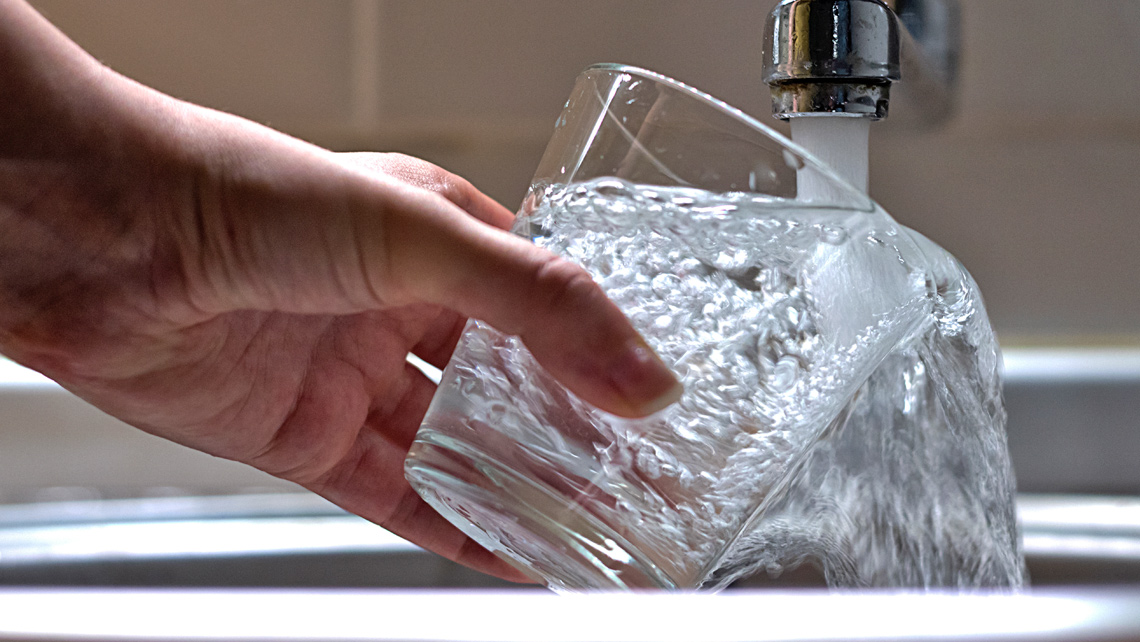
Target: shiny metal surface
x=831, y=40
x=205, y=568
x=190, y=616
x=1074, y=428
x=299, y=540
x=252, y=540
x=929, y=42
x=851, y=99
x=842, y=57
x=1074, y=419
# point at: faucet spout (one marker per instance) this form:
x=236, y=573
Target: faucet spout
x=841, y=57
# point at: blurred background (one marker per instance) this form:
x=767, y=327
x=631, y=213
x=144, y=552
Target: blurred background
x=1032, y=184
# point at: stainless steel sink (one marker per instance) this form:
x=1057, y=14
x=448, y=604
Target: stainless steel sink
x=1074, y=427
x=129, y=533
x=1074, y=419
x=291, y=567
x=299, y=540
x=72, y=615
x=253, y=540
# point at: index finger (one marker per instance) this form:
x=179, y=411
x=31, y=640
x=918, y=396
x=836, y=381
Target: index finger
x=564, y=318
x=433, y=178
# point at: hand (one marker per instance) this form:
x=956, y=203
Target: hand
x=238, y=291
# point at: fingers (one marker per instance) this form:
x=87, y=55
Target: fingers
x=323, y=239
x=423, y=174
x=563, y=317
x=560, y=313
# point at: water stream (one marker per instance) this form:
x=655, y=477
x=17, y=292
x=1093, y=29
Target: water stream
x=842, y=402
x=912, y=486
x=842, y=144
x=842, y=405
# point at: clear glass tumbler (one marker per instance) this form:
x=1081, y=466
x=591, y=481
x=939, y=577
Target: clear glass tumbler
x=771, y=302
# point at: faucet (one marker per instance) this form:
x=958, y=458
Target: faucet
x=841, y=58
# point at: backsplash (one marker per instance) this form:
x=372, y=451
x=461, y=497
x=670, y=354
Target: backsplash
x=1032, y=185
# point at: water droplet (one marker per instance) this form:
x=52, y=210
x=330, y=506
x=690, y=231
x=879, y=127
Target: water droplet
x=784, y=374
x=793, y=160
x=832, y=234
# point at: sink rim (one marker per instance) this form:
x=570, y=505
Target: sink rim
x=1077, y=527
x=528, y=616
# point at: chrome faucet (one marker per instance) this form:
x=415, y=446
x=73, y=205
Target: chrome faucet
x=841, y=58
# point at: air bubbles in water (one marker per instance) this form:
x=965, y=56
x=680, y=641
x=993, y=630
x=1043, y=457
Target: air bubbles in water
x=800, y=335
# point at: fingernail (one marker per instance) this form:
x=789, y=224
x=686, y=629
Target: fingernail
x=644, y=381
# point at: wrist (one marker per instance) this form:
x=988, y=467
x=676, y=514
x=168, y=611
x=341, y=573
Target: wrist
x=77, y=195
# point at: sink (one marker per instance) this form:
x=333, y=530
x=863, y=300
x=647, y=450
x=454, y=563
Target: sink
x=534, y=616
x=300, y=540
x=1074, y=419
x=97, y=518
x=250, y=540
x=1074, y=427
x=88, y=501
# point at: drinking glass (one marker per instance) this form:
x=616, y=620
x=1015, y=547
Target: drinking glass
x=771, y=301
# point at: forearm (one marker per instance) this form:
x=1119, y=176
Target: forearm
x=51, y=87
x=122, y=208
x=69, y=170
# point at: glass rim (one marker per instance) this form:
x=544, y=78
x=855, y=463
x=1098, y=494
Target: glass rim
x=742, y=117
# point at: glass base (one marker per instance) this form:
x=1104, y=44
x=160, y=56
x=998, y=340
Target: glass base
x=544, y=535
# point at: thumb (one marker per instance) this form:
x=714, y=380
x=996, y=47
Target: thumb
x=564, y=318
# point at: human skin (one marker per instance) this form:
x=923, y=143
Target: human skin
x=243, y=293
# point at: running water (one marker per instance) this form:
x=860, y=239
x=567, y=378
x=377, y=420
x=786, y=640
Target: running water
x=842, y=405
x=915, y=487
x=841, y=143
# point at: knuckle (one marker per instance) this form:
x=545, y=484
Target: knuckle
x=561, y=285
x=432, y=178
x=453, y=188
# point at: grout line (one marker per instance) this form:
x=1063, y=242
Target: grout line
x=367, y=97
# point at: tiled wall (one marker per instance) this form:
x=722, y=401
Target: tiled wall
x=1033, y=184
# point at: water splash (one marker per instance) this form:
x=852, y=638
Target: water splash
x=841, y=407
x=913, y=487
